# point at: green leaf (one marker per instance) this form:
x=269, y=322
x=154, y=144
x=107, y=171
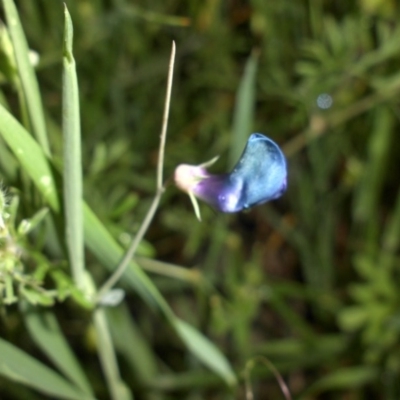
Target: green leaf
x=131, y=344
x=205, y=351
x=30, y=156
x=27, y=75
x=344, y=378
x=36, y=297
x=243, y=116
x=391, y=238
x=155, y=17
x=72, y=159
x=29, y=224
x=105, y=347
x=45, y=331
x=353, y=317
x=22, y=368
x=369, y=190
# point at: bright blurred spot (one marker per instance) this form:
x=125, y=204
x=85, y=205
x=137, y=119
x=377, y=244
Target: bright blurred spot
x=324, y=101
x=34, y=57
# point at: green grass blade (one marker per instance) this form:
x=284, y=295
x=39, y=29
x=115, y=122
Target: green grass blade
x=205, y=351
x=154, y=17
x=27, y=75
x=391, y=238
x=369, y=190
x=131, y=344
x=30, y=156
x=24, y=369
x=72, y=159
x=344, y=378
x=243, y=116
x=45, y=331
x=118, y=389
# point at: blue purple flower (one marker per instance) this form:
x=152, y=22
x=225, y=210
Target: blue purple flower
x=259, y=176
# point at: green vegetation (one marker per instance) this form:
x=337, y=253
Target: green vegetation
x=306, y=285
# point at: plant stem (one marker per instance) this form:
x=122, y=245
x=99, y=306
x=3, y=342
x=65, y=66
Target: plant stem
x=114, y=278
x=107, y=356
x=164, y=126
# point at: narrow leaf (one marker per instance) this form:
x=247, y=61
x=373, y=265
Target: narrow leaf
x=205, y=351
x=244, y=109
x=30, y=156
x=370, y=188
x=345, y=378
x=20, y=367
x=45, y=331
x=72, y=159
x=105, y=348
x=131, y=344
x=27, y=75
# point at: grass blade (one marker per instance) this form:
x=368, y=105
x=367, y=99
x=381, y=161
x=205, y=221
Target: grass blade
x=243, y=116
x=131, y=344
x=45, y=331
x=391, y=238
x=22, y=368
x=371, y=184
x=205, y=351
x=118, y=389
x=342, y=379
x=30, y=156
x=72, y=159
x=27, y=75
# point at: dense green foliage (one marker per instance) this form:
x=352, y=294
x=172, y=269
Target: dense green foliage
x=308, y=282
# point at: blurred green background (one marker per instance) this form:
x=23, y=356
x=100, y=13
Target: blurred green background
x=310, y=281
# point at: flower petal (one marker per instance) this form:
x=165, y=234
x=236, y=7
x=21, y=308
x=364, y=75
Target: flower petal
x=259, y=176
x=262, y=171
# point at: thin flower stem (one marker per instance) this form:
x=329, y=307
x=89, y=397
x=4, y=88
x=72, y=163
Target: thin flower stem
x=164, y=126
x=114, y=278
x=250, y=365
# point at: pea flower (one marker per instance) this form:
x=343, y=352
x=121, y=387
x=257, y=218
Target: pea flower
x=259, y=176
